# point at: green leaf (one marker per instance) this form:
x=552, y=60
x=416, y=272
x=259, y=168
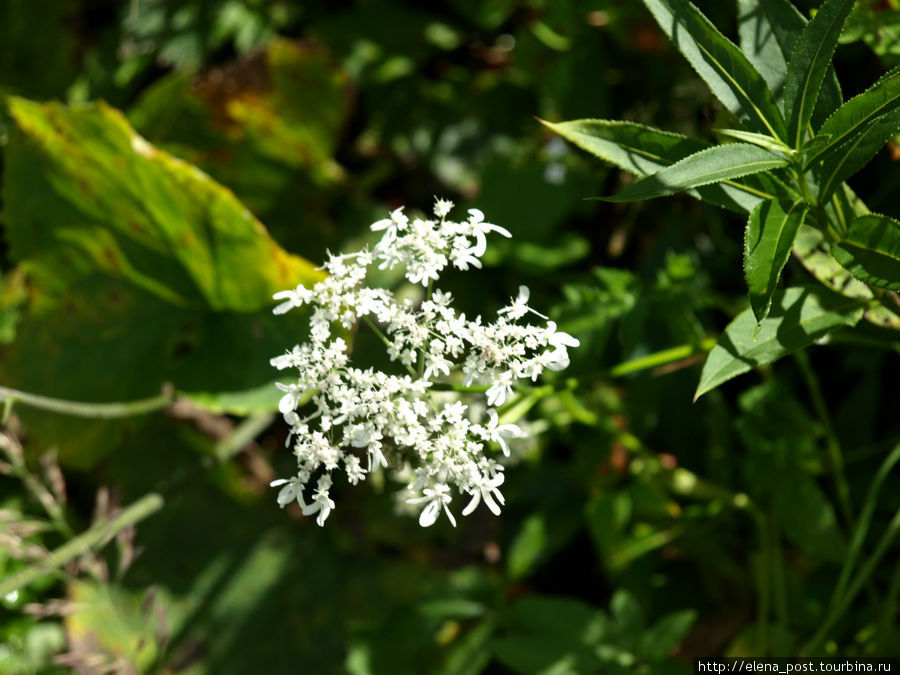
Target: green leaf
x=768, y=239
x=125, y=245
x=764, y=25
x=809, y=62
x=856, y=153
x=730, y=76
x=857, y=114
x=807, y=515
x=870, y=250
x=664, y=636
x=760, y=140
x=712, y=165
x=799, y=316
x=138, y=214
x=643, y=151
x=757, y=39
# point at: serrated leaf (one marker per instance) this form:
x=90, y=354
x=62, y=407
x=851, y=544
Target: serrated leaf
x=799, y=316
x=644, y=150
x=764, y=22
x=769, y=236
x=760, y=140
x=758, y=41
x=713, y=165
x=856, y=153
x=870, y=250
x=809, y=62
x=730, y=76
x=856, y=115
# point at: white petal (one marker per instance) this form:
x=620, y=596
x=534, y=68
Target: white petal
x=491, y=504
x=287, y=403
x=429, y=514
x=476, y=497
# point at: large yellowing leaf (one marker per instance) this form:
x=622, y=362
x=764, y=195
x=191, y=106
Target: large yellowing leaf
x=113, y=202
x=140, y=270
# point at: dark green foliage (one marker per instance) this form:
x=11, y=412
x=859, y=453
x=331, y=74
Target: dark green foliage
x=139, y=251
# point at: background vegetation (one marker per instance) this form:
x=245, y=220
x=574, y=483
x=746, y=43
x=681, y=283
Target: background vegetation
x=641, y=530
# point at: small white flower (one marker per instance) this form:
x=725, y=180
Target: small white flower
x=434, y=434
x=434, y=498
x=442, y=207
x=486, y=489
x=500, y=389
x=498, y=433
x=321, y=502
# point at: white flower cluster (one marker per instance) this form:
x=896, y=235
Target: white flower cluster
x=364, y=420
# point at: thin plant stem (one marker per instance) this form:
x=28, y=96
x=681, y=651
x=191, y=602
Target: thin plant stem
x=83, y=409
x=863, y=523
x=835, y=456
x=242, y=434
x=662, y=358
x=423, y=355
x=837, y=610
x=96, y=536
x=381, y=336
x=889, y=612
x=777, y=563
x=764, y=586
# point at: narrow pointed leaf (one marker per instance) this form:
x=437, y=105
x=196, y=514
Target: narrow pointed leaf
x=799, y=316
x=759, y=43
x=809, y=63
x=871, y=251
x=762, y=22
x=813, y=148
x=761, y=140
x=847, y=159
x=712, y=165
x=857, y=114
x=637, y=148
x=771, y=230
x=730, y=76
x=644, y=150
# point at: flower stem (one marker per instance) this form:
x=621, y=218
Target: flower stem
x=83, y=409
x=97, y=535
x=662, y=358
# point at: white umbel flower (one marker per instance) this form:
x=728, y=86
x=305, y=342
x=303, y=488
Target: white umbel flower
x=359, y=421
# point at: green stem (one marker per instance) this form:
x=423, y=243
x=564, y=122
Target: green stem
x=889, y=613
x=763, y=586
x=242, y=434
x=97, y=535
x=422, y=356
x=862, y=525
x=858, y=582
x=777, y=565
x=82, y=409
x=381, y=336
x=662, y=358
x=835, y=456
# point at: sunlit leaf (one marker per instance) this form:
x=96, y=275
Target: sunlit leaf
x=871, y=251
x=799, y=316
x=856, y=115
x=768, y=239
x=765, y=25
x=730, y=76
x=809, y=62
x=643, y=151
x=713, y=165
